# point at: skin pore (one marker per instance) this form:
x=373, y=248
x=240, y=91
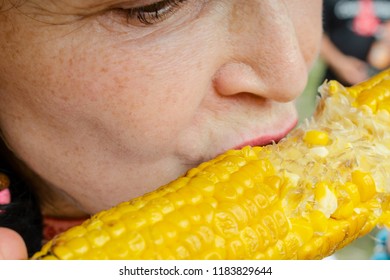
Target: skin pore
x=101, y=103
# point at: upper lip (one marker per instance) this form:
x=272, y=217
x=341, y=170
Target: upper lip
x=268, y=138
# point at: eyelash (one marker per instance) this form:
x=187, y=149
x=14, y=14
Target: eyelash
x=153, y=13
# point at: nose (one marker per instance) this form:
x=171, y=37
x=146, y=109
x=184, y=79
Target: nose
x=263, y=56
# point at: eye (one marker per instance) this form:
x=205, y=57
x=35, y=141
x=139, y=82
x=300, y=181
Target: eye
x=151, y=14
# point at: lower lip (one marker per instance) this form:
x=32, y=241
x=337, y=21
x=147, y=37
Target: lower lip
x=267, y=139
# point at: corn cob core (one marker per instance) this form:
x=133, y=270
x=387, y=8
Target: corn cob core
x=311, y=194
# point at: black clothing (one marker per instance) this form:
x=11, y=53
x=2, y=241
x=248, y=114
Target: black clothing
x=23, y=213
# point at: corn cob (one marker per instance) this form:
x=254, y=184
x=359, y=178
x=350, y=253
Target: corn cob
x=314, y=192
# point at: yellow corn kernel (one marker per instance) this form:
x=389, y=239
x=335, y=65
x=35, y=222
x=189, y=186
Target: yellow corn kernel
x=367, y=98
x=292, y=244
x=276, y=252
x=365, y=184
x=375, y=98
x=193, y=243
x=368, y=84
x=325, y=198
x=269, y=222
x=351, y=191
x=115, y=249
x=302, y=229
x=274, y=202
x=98, y=237
x=282, y=222
x=164, y=233
x=226, y=191
x=385, y=219
x=344, y=210
x=316, y=138
x=115, y=229
x=177, y=218
x=235, y=248
x=63, y=252
x=384, y=105
x=275, y=182
x=348, y=198
x=319, y=221
x=335, y=88
x=250, y=240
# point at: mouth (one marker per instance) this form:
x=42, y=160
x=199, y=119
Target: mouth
x=269, y=138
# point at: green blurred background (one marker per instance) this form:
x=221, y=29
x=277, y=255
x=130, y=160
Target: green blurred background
x=306, y=102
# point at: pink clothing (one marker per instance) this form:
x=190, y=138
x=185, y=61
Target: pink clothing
x=5, y=197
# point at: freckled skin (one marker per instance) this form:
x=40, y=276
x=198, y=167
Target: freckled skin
x=100, y=111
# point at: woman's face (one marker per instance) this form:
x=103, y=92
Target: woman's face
x=107, y=100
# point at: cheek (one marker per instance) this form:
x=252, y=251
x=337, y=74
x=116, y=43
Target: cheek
x=143, y=93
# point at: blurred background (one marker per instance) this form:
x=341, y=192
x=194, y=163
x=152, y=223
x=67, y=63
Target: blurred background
x=306, y=103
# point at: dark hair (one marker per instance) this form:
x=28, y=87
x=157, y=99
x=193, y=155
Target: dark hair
x=23, y=213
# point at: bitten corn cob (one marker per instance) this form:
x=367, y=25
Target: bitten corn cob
x=314, y=192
